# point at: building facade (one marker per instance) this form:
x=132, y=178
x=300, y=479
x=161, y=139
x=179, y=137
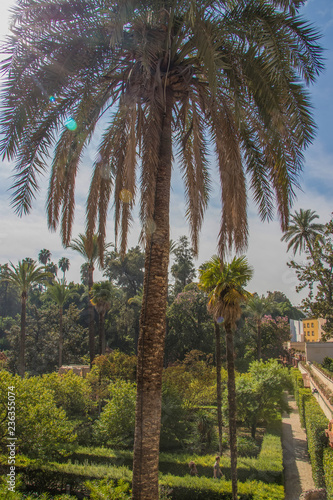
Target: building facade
x=313, y=329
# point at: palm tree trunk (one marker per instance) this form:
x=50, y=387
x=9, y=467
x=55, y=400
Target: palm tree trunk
x=232, y=408
x=61, y=339
x=91, y=316
x=259, y=339
x=102, y=333
x=21, y=361
x=152, y=331
x=218, y=381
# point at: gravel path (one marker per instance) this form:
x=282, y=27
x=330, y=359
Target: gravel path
x=296, y=462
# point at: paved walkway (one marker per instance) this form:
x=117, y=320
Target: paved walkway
x=296, y=462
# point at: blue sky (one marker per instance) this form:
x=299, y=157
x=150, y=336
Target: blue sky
x=24, y=237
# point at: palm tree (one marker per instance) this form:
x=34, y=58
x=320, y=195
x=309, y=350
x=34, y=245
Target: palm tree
x=101, y=298
x=207, y=288
x=44, y=256
x=154, y=74
x=257, y=308
x=59, y=293
x=63, y=265
x=302, y=232
x=23, y=276
x=226, y=284
x=89, y=250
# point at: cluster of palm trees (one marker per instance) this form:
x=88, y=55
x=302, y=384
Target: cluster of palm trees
x=226, y=73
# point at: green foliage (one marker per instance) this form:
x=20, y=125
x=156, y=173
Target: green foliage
x=5, y=494
x=328, y=364
x=297, y=381
x=182, y=270
x=315, y=424
x=328, y=471
x=269, y=463
x=201, y=488
x=115, y=426
x=190, y=326
x=247, y=447
x=260, y=393
x=174, y=425
x=303, y=396
x=108, y=490
x=42, y=429
x=194, y=378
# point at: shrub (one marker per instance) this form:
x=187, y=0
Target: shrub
x=100, y=490
x=328, y=470
x=115, y=426
x=247, y=446
x=269, y=463
x=316, y=423
x=303, y=396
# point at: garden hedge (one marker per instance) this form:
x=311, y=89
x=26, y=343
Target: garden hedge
x=328, y=470
x=315, y=424
x=304, y=395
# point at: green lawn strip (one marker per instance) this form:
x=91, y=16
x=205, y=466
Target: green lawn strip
x=202, y=488
x=267, y=467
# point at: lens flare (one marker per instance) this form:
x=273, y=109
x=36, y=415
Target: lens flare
x=71, y=124
x=126, y=196
x=219, y=320
x=52, y=99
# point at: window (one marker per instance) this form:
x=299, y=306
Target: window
x=308, y=325
x=312, y=334
x=312, y=325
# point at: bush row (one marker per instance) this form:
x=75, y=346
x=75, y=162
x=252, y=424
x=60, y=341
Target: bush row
x=328, y=470
x=315, y=423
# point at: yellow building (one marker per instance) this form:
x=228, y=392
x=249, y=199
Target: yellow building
x=313, y=329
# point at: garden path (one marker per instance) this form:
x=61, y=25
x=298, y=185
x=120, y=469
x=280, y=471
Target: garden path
x=296, y=462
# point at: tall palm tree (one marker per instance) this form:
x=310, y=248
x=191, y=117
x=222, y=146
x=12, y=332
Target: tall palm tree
x=102, y=295
x=257, y=308
x=23, y=276
x=89, y=250
x=207, y=287
x=59, y=293
x=154, y=74
x=226, y=283
x=63, y=265
x=302, y=231
x=44, y=256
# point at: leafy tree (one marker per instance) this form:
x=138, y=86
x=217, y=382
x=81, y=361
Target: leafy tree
x=70, y=392
x=89, y=250
x=102, y=295
x=257, y=308
x=189, y=325
x=182, y=270
x=9, y=298
x=180, y=71
x=23, y=276
x=126, y=271
x=42, y=430
x=302, y=232
x=59, y=293
x=274, y=333
x=226, y=283
x=317, y=274
x=115, y=426
x=42, y=334
x=260, y=393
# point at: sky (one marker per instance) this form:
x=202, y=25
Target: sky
x=25, y=237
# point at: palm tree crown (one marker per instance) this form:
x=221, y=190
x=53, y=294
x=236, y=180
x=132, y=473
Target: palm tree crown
x=228, y=71
x=225, y=286
x=302, y=232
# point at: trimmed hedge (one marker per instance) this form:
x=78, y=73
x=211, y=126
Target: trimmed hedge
x=297, y=381
x=304, y=395
x=316, y=423
x=328, y=470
